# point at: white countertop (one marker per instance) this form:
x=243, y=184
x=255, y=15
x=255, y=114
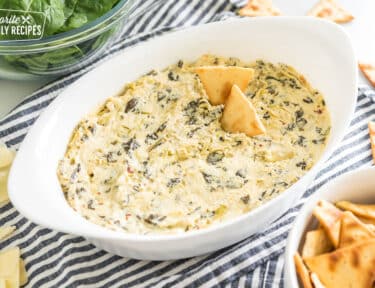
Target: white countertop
x=361, y=31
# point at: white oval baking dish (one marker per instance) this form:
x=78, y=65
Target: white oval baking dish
x=318, y=49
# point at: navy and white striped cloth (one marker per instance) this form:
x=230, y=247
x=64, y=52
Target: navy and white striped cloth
x=55, y=259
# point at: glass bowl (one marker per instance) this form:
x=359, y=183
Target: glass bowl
x=65, y=52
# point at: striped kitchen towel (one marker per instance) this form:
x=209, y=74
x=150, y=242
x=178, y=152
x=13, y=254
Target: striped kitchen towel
x=56, y=259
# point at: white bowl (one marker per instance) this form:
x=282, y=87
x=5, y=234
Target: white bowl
x=357, y=186
x=320, y=50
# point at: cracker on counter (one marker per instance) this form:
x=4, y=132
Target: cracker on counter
x=330, y=10
x=239, y=115
x=6, y=231
x=6, y=159
x=23, y=274
x=369, y=72
x=353, y=230
x=6, y=156
x=316, y=243
x=255, y=8
x=302, y=271
x=3, y=186
x=10, y=267
x=329, y=217
x=218, y=80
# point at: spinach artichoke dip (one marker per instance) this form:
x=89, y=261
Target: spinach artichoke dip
x=155, y=159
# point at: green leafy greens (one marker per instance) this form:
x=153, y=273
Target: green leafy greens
x=86, y=11
x=61, y=16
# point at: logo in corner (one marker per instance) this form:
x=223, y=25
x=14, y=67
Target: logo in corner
x=21, y=25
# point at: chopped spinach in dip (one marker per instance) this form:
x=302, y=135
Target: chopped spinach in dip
x=156, y=160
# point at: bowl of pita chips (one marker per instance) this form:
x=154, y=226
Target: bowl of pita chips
x=332, y=243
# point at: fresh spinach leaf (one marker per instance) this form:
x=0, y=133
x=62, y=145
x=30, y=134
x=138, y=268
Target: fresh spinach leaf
x=86, y=11
x=52, y=9
x=61, y=16
x=69, y=8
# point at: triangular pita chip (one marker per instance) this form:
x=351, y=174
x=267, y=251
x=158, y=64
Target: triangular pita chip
x=352, y=230
x=6, y=231
x=316, y=243
x=316, y=281
x=10, y=267
x=369, y=72
x=23, y=273
x=330, y=10
x=352, y=266
x=329, y=217
x=239, y=115
x=255, y=8
x=371, y=130
x=363, y=210
x=218, y=80
x=302, y=271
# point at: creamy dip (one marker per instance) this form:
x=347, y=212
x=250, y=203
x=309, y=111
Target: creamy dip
x=155, y=159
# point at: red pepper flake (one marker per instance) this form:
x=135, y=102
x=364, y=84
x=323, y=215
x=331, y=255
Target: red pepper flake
x=127, y=216
x=130, y=169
